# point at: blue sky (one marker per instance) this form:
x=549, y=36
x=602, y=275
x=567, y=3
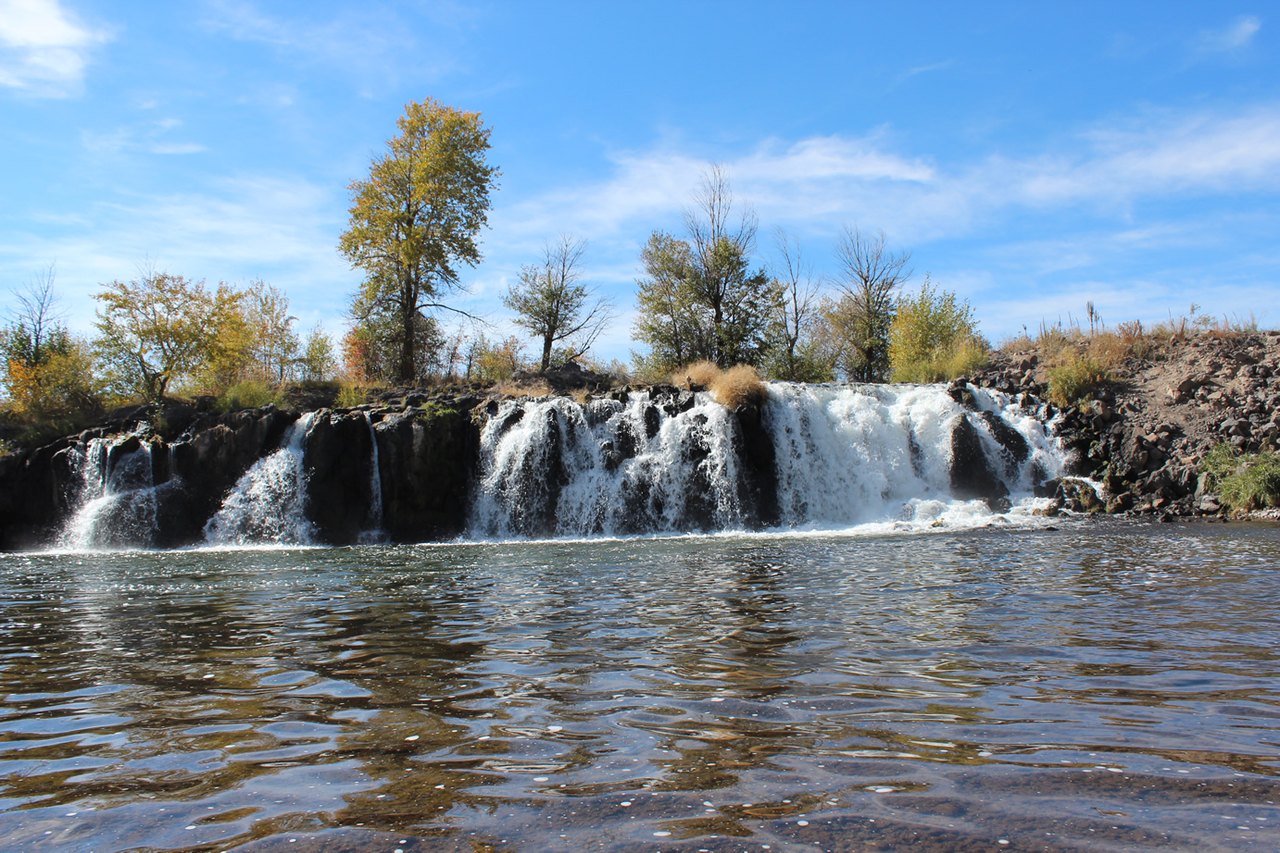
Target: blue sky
x=1033, y=157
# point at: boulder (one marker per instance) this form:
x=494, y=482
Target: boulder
x=972, y=475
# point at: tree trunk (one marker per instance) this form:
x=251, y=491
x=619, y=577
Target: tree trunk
x=546, y=352
x=407, y=343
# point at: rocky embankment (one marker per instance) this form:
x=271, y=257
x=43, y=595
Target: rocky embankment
x=1144, y=435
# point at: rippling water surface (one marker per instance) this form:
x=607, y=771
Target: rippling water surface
x=1101, y=686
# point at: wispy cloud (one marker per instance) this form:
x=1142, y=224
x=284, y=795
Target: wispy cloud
x=819, y=183
x=808, y=178
x=44, y=49
x=371, y=41
x=282, y=229
x=917, y=70
x=1231, y=38
x=1161, y=156
x=150, y=138
x=1090, y=183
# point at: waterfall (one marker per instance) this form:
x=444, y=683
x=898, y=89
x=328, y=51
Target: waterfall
x=850, y=455
x=373, y=532
x=113, y=491
x=810, y=457
x=555, y=467
x=842, y=456
x=267, y=503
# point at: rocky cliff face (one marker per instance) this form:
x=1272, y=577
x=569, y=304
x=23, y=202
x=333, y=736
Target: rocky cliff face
x=1144, y=435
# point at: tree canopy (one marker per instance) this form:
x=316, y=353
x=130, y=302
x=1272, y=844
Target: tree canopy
x=861, y=317
x=701, y=299
x=161, y=326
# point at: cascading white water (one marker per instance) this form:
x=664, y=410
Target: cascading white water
x=374, y=532
x=553, y=467
x=114, y=495
x=843, y=456
x=850, y=455
x=267, y=503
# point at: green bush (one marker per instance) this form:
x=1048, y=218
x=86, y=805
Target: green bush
x=934, y=337
x=249, y=394
x=1243, y=482
x=1075, y=378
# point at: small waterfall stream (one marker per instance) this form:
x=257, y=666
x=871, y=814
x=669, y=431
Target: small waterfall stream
x=857, y=454
x=268, y=503
x=114, y=494
x=374, y=532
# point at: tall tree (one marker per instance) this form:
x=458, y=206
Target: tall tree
x=372, y=347
x=667, y=319
x=317, y=364
x=416, y=218
x=871, y=275
x=551, y=303
x=47, y=374
x=934, y=336
x=701, y=298
x=36, y=329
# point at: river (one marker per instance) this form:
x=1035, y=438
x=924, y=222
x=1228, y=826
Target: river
x=1099, y=685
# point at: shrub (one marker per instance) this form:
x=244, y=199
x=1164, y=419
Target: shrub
x=700, y=373
x=737, y=386
x=249, y=394
x=1243, y=482
x=1074, y=378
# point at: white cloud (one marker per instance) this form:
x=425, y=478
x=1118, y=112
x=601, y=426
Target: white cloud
x=817, y=177
x=817, y=184
x=43, y=48
x=1233, y=37
x=1198, y=153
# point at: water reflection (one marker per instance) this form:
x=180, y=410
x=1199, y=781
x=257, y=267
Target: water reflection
x=1110, y=685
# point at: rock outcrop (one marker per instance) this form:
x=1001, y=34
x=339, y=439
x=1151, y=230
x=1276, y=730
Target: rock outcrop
x=1144, y=435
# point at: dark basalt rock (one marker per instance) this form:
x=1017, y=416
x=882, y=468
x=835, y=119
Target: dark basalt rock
x=427, y=460
x=336, y=459
x=1013, y=447
x=759, y=467
x=972, y=475
x=206, y=462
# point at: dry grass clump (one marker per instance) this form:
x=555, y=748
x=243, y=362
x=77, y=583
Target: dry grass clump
x=701, y=374
x=523, y=388
x=738, y=386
